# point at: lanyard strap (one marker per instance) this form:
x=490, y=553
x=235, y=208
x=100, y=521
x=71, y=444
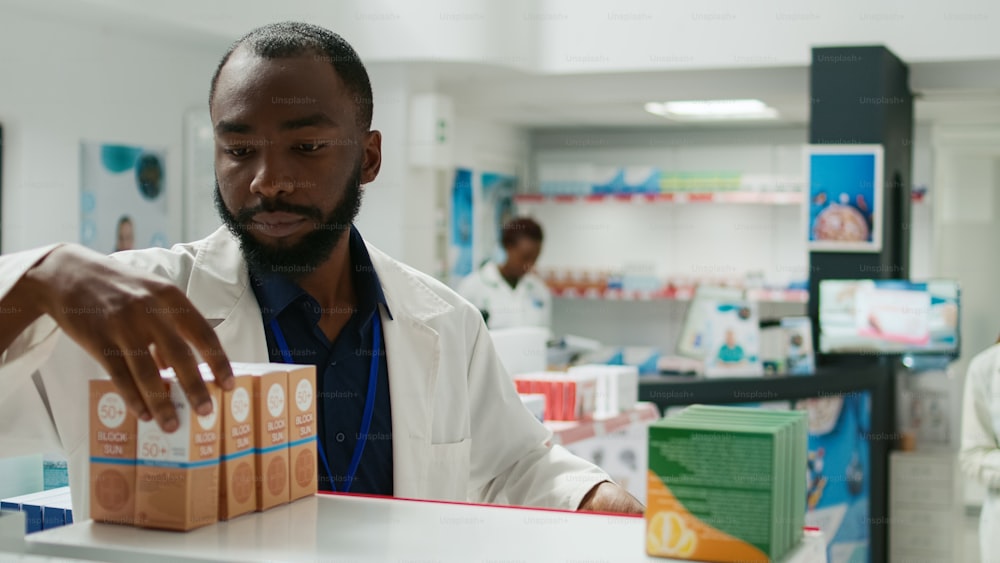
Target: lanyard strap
x=366, y=420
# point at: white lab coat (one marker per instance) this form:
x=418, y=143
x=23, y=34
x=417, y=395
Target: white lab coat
x=460, y=432
x=528, y=304
x=980, y=453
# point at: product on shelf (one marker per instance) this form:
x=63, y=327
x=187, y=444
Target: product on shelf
x=567, y=396
x=177, y=473
x=636, y=282
x=219, y=466
x=617, y=387
x=238, y=473
x=302, y=422
x=726, y=484
x=270, y=401
x=43, y=510
x=112, y=455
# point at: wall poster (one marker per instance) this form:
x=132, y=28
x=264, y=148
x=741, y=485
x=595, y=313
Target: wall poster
x=845, y=198
x=123, y=202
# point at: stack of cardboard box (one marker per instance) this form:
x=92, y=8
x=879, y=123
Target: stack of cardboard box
x=255, y=451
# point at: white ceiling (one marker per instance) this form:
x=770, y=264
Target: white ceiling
x=948, y=92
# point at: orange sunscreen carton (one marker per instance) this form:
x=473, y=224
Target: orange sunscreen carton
x=112, y=455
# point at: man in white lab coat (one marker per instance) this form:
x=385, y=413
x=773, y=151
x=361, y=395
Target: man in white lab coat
x=510, y=295
x=291, y=110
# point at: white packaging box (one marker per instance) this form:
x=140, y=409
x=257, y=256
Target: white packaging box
x=617, y=387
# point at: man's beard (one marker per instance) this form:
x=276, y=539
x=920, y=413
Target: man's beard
x=299, y=259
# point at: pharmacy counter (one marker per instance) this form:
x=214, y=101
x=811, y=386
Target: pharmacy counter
x=354, y=528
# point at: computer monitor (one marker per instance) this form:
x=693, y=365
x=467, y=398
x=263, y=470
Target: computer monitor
x=889, y=317
x=693, y=340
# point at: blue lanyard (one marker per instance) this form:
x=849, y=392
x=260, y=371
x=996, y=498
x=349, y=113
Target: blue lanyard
x=366, y=420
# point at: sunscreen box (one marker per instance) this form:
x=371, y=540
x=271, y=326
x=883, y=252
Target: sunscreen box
x=238, y=470
x=112, y=455
x=302, y=429
x=177, y=474
x=269, y=405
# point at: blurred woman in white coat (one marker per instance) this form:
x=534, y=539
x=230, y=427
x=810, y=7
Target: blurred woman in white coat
x=980, y=453
x=510, y=294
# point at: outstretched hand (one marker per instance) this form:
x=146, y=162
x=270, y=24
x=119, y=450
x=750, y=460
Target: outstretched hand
x=121, y=317
x=610, y=497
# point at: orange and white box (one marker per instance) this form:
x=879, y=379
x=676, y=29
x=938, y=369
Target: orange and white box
x=270, y=408
x=238, y=471
x=112, y=455
x=177, y=474
x=303, y=477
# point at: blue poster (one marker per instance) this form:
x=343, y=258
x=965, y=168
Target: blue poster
x=498, y=204
x=123, y=201
x=839, y=473
x=845, y=198
x=461, y=224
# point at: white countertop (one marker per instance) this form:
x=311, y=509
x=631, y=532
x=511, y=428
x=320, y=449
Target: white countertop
x=342, y=528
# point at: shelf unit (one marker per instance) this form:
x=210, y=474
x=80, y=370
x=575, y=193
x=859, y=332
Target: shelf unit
x=761, y=198
x=764, y=198
x=684, y=294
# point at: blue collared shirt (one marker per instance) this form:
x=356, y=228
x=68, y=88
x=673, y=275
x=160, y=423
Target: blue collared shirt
x=342, y=370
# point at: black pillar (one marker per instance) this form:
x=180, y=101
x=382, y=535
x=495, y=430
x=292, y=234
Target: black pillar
x=861, y=95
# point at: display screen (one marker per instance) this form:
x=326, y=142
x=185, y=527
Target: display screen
x=888, y=316
x=693, y=341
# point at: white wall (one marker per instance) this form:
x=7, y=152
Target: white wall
x=382, y=31
x=966, y=222
x=90, y=82
x=384, y=207
x=568, y=36
x=64, y=82
x=485, y=146
x=592, y=35
x=490, y=146
x=404, y=208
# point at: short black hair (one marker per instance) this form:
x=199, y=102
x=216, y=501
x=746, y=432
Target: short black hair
x=292, y=39
x=518, y=228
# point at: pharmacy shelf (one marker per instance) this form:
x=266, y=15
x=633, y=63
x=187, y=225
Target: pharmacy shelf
x=764, y=198
x=683, y=294
x=565, y=432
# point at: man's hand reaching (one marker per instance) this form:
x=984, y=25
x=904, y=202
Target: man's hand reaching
x=117, y=315
x=610, y=497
